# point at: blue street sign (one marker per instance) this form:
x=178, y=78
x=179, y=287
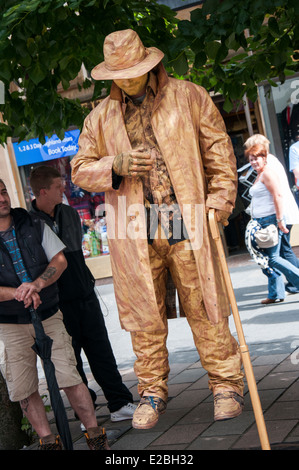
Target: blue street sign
x=33, y=151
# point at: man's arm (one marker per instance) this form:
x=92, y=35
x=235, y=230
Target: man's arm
x=91, y=166
x=296, y=174
x=8, y=293
x=27, y=292
x=294, y=161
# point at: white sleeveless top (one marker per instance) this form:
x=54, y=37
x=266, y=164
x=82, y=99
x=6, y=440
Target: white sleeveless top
x=290, y=208
x=262, y=203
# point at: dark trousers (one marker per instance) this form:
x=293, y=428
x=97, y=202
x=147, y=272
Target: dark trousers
x=85, y=323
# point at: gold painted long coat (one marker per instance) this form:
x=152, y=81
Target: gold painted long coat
x=202, y=167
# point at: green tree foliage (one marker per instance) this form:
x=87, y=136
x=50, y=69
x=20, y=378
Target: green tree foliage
x=44, y=43
x=231, y=46
x=227, y=46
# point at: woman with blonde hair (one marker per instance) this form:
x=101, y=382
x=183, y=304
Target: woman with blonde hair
x=268, y=205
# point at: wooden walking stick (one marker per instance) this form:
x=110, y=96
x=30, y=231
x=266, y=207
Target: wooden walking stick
x=255, y=400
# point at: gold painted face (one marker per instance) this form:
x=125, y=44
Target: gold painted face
x=133, y=86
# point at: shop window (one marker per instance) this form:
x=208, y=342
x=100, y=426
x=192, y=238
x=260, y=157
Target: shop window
x=90, y=206
x=280, y=106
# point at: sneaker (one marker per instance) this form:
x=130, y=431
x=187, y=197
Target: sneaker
x=125, y=412
x=147, y=412
x=227, y=405
x=50, y=442
x=96, y=439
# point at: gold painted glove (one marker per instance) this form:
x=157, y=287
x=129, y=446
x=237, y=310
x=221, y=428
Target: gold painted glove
x=220, y=216
x=132, y=163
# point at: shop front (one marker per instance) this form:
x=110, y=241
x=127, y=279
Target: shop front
x=90, y=206
x=280, y=108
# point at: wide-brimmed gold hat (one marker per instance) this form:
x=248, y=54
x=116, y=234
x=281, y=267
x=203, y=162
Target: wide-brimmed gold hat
x=126, y=57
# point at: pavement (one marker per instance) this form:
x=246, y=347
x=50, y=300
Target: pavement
x=272, y=335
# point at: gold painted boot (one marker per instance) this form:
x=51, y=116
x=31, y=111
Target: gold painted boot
x=147, y=413
x=227, y=405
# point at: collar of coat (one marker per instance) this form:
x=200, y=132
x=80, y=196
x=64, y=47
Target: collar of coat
x=157, y=80
x=44, y=215
x=20, y=216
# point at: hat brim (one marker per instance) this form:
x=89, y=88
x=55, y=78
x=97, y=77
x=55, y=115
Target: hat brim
x=154, y=56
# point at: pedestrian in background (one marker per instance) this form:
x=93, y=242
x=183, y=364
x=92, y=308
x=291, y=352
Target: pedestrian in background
x=267, y=207
x=276, y=285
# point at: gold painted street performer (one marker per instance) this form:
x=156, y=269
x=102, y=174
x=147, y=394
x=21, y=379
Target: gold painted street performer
x=158, y=148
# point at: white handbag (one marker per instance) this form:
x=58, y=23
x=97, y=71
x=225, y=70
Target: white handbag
x=267, y=237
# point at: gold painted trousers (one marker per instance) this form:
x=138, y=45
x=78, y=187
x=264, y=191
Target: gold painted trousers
x=218, y=350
